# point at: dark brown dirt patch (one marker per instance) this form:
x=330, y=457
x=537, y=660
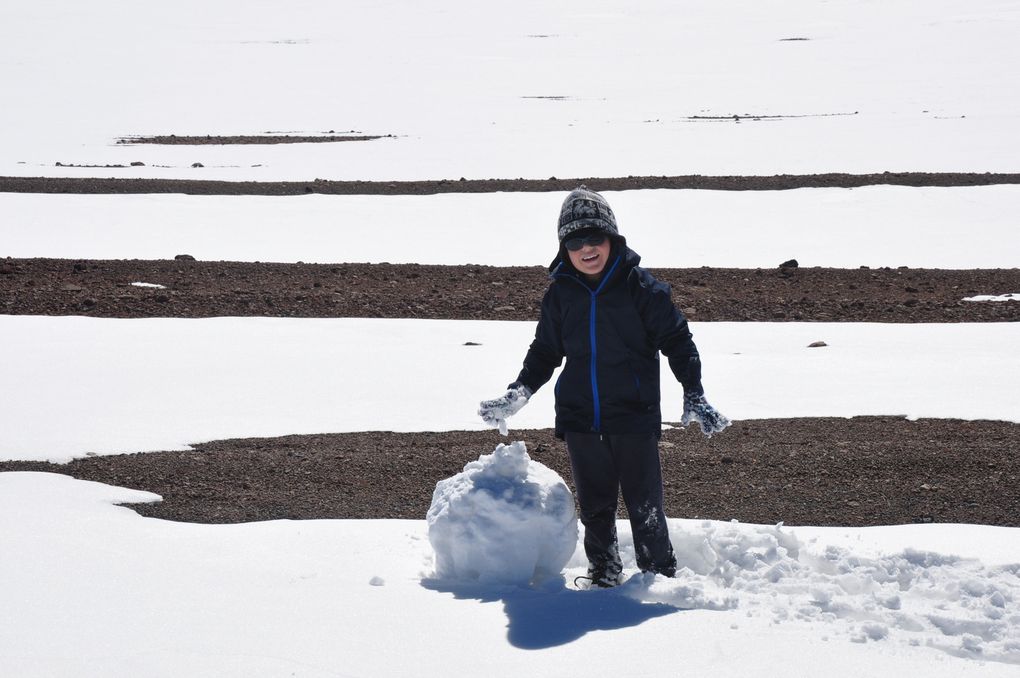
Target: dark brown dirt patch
x=195, y=289
x=266, y=139
x=462, y=185
x=854, y=472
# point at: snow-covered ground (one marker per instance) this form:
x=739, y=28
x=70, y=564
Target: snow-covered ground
x=115, y=385
x=94, y=590
x=522, y=88
x=844, y=228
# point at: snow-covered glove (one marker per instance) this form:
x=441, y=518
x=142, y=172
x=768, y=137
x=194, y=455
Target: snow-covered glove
x=495, y=412
x=696, y=408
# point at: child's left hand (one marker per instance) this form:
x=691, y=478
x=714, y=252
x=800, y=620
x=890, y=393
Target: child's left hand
x=696, y=408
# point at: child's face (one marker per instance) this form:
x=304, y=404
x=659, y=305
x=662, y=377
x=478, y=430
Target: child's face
x=591, y=259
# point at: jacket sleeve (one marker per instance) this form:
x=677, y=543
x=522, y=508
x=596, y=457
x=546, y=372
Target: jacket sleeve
x=668, y=330
x=546, y=351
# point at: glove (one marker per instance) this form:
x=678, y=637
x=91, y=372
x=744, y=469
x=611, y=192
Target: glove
x=696, y=408
x=495, y=412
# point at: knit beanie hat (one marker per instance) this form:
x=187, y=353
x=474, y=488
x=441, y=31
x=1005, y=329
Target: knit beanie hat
x=584, y=209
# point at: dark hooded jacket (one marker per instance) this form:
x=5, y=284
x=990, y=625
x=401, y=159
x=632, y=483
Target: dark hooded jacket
x=611, y=336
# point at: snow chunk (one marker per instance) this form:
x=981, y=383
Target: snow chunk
x=875, y=631
x=145, y=284
x=994, y=297
x=504, y=519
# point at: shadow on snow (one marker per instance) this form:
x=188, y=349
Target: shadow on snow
x=551, y=614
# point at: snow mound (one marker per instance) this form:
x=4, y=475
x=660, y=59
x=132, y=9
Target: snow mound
x=504, y=519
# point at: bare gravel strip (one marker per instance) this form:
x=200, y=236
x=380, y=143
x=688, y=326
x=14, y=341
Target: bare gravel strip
x=462, y=185
x=854, y=472
x=256, y=140
x=195, y=289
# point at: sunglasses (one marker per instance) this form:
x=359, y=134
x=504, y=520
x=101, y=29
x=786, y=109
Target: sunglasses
x=594, y=239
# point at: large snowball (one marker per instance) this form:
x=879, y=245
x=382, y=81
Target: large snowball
x=503, y=519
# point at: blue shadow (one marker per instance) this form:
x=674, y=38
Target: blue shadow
x=552, y=614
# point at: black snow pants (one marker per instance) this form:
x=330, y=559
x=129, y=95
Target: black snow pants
x=602, y=466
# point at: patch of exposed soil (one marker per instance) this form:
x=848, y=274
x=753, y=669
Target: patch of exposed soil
x=755, y=117
x=718, y=183
x=258, y=139
x=194, y=289
x=856, y=472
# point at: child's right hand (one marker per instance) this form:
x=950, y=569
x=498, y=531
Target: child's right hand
x=495, y=412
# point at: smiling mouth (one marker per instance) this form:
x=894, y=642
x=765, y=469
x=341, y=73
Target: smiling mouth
x=590, y=258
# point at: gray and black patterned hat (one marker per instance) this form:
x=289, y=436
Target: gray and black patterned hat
x=584, y=209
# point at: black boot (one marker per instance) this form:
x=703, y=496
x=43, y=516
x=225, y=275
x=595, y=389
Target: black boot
x=605, y=573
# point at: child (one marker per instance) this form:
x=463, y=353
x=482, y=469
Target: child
x=610, y=319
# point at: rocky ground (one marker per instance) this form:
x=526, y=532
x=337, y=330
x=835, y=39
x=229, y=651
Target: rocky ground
x=462, y=185
x=860, y=471
x=193, y=289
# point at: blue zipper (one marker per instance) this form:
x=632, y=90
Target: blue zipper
x=597, y=423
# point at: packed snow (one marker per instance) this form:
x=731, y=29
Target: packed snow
x=94, y=590
x=843, y=228
x=136, y=385
x=994, y=297
x=512, y=89
x=504, y=519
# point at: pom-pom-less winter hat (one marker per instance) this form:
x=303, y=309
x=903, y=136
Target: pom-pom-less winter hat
x=584, y=209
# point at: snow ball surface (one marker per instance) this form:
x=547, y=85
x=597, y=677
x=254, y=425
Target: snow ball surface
x=505, y=519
